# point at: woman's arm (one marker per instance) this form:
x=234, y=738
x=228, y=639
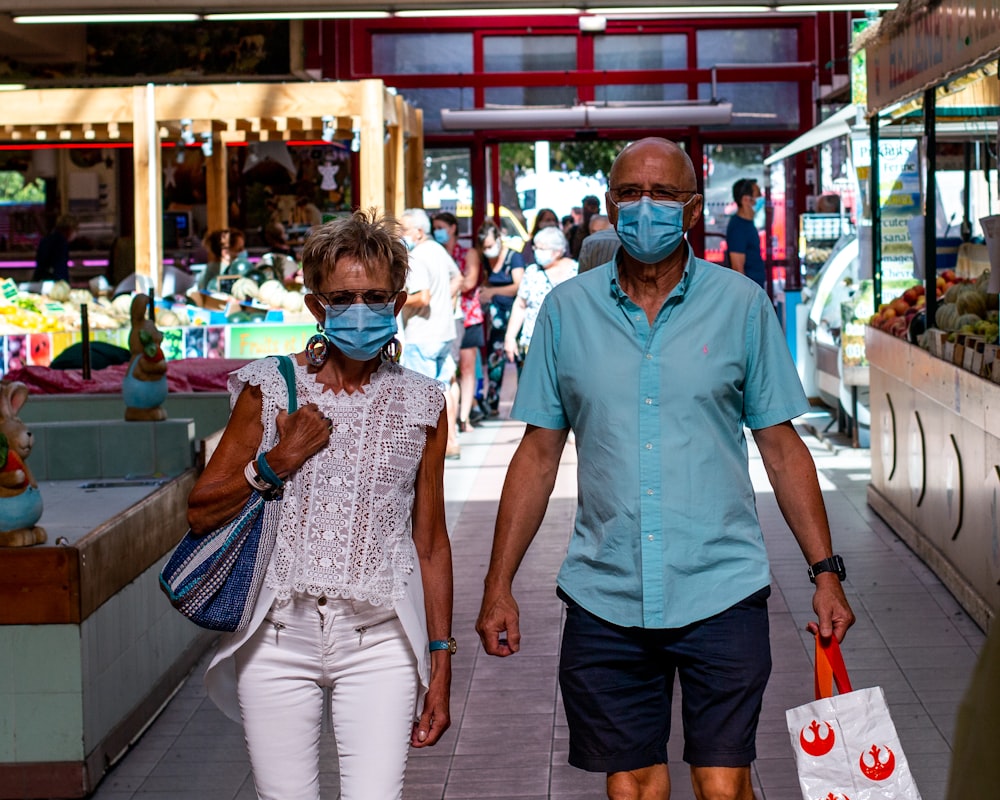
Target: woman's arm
x=222, y=489
x=514, y=324
x=470, y=279
x=430, y=537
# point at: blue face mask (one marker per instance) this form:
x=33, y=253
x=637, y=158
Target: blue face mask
x=441, y=235
x=651, y=231
x=758, y=205
x=359, y=332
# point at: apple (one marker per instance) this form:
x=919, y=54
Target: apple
x=900, y=306
x=910, y=296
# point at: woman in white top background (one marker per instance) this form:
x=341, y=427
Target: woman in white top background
x=552, y=266
x=357, y=599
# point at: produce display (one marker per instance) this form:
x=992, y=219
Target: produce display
x=964, y=307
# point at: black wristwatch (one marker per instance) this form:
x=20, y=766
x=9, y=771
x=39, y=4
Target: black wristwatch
x=833, y=564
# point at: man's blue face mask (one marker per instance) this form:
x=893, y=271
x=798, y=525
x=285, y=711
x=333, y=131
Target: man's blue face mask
x=651, y=230
x=758, y=205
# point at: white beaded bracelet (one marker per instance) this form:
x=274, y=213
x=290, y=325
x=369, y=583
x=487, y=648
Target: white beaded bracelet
x=250, y=473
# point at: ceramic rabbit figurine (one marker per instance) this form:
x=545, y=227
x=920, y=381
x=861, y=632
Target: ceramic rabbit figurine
x=145, y=385
x=20, y=500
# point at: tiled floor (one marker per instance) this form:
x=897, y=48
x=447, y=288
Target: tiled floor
x=509, y=739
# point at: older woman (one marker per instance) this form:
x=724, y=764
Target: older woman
x=552, y=266
x=503, y=268
x=361, y=570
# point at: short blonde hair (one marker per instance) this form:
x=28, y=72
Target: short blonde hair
x=368, y=236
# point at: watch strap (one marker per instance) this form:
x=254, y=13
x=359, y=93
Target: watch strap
x=448, y=644
x=834, y=564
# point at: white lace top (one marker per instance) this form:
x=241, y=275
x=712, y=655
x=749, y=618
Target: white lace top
x=345, y=515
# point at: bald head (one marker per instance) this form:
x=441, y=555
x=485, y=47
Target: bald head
x=661, y=156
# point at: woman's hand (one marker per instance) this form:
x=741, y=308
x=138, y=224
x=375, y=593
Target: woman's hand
x=510, y=348
x=485, y=294
x=435, y=718
x=301, y=435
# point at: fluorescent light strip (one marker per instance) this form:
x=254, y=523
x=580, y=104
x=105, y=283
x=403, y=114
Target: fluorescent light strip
x=12, y=87
x=804, y=8
x=279, y=15
x=70, y=19
x=489, y=12
x=659, y=11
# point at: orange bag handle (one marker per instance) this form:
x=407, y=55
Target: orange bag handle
x=829, y=668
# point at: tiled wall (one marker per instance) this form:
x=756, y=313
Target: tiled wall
x=63, y=688
x=111, y=449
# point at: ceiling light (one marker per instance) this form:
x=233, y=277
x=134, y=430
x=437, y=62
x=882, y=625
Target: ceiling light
x=805, y=8
x=70, y=19
x=278, y=15
x=660, y=11
x=12, y=87
x=491, y=12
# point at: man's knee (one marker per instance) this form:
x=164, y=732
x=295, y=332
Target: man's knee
x=648, y=783
x=722, y=783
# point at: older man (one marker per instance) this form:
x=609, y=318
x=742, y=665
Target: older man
x=657, y=360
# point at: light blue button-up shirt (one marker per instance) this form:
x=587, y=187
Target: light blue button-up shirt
x=666, y=527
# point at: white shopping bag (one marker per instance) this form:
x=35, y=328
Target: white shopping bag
x=846, y=747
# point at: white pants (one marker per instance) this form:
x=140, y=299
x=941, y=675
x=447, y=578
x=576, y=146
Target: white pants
x=362, y=654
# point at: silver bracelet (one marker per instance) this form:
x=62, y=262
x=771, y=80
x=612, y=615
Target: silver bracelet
x=250, y=473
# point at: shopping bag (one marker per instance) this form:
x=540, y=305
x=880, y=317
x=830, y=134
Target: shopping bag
x=846, y=747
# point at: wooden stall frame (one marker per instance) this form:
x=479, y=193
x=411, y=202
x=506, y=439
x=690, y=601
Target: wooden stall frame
x=390, y=132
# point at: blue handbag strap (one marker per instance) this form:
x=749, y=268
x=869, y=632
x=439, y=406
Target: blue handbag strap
x=287, y=370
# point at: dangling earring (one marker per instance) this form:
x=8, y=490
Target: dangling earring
x=392, y=350
x=317, y=349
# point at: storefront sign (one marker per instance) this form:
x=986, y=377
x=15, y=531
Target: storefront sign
x=257, y=341
x=899, y=198
x=952, y=36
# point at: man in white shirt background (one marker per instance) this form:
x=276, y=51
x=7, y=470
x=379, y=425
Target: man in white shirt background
x=428, y=316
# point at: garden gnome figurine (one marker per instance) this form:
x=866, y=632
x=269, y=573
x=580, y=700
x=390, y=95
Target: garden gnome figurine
x=145, y=385
x=20, y=500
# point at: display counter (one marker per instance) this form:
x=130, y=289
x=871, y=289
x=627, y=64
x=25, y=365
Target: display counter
x=935, y=466
x=92, y=649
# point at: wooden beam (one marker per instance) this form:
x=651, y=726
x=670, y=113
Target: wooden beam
x=67, y=106
x=240, y=100
x=148, y=191
x=216, y=186
x=372, y=158
x=395, y=188
x=415, y=162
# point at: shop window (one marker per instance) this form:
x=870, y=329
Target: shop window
x=433, y=100
x=641, y=93
x=747, y=46
x=647, y=51
x=529, y=53
x=531, y=96
x=421, y=53
x=758, y=105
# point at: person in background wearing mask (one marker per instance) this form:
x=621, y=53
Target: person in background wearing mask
x=657, y=361
x=742, y=236
x=545, y=218
x=428, y=318
x=469, y=335
x=504, y=269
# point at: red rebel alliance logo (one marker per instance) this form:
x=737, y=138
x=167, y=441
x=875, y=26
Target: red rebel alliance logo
x=879, y=769
x=817, y=745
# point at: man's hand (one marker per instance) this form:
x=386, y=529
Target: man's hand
x=832, y=608
x=498, y=625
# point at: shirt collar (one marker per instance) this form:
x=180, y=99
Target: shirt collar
x=682, y=286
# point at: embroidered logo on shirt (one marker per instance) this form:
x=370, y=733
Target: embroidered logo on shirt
x=704, y=349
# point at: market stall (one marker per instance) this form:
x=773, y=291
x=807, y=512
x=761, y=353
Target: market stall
x=935, y=436
x=378, y=124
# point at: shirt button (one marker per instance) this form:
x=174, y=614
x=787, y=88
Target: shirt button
x=649, y=491
x=649, y=445
x=649, y=401
x=637, y=316
x=649, y=356
x=321, y=601
x=650, y=537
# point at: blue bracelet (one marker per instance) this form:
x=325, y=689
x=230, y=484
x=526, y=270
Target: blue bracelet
x=448, y=644
x=268, y=474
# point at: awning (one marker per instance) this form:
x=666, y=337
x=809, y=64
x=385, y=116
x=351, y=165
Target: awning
x=837, y=125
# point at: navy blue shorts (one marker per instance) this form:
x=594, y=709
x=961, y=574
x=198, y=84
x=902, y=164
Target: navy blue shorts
x=617, y=685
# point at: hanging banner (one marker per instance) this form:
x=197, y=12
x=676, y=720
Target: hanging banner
x=899, y=199
x=948, y=37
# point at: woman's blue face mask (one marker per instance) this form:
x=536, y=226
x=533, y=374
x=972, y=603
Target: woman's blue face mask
x=651, y=230
x=359, y=332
